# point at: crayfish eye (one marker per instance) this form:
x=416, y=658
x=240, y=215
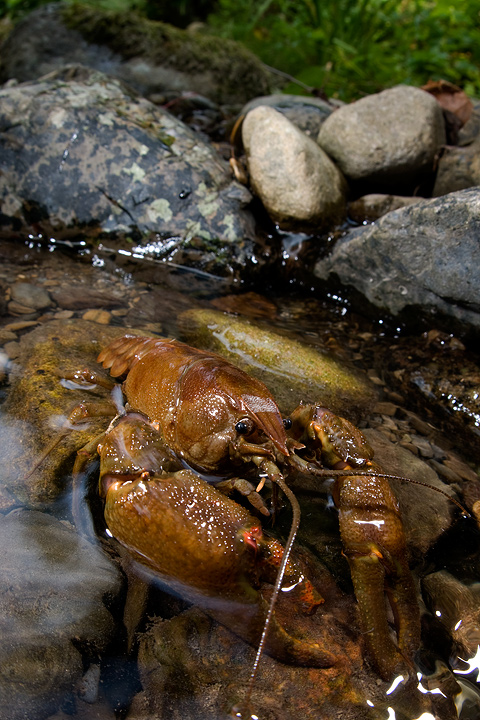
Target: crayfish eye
x=244, y=426
x=287, y=423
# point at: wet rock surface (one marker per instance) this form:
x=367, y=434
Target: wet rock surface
x=39, y=404
x=154, y=58
x=52, y=587
x=290, y=369
x=422, y=256
x=84, y=155
x=421, y=416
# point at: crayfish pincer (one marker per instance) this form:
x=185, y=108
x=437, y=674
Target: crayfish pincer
x=200, y=543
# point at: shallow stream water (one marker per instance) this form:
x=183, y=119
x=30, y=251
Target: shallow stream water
x=427, y=384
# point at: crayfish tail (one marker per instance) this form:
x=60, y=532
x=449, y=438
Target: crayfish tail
x=119, y=356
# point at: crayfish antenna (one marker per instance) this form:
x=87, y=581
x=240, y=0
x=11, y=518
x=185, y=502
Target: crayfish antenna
x=278, y=479
x=349, y=472
x=56, y=441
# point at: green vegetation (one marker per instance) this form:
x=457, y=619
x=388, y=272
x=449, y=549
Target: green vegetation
x=352, y=47
x=345, y=48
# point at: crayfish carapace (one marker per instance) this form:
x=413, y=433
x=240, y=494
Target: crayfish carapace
x=191, y=417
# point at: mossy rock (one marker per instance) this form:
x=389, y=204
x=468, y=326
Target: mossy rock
x=38, y=403
x=153, y=57
x=293, y=371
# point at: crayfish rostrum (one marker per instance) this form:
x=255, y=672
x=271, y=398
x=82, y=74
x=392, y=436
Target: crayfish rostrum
x=193, y=419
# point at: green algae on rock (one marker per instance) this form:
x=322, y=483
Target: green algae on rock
x=38, y=403
x=292, y=370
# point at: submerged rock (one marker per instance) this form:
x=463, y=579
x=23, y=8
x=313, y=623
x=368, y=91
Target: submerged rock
x=192, y=668
x=38, y=403
x=52, y=584
x=457, y=608
x=292, y=370
x=426, y=514
x=300, y=187
x=423, y=256
x=389, y=139
x=82, y=156
x=153, y=57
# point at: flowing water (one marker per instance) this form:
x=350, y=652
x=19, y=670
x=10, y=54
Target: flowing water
x=427, y=387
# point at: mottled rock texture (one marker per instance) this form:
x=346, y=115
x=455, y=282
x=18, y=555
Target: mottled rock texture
x=81, y=155
x=52, y=583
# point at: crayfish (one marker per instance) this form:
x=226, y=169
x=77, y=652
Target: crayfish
x=192, y=421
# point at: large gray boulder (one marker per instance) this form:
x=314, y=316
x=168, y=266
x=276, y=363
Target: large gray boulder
x=390, y=138
x=80, y=155
x=300, y=187
x=426, y=255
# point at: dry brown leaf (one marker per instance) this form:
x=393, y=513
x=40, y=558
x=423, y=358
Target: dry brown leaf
x=451, y=98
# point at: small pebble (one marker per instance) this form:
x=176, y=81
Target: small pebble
x=12, y=349
x=420, y=426
x=6, y=336
x=410, y=446
x=374, y=378
x=445, y=472
x=63, y=314
x=385, y=408
x=16, y=308
x=120, y=312
x=31, y=296
x=389, y=423
x=387, y=433
x=101, y=317
x=423, y=446
x=20, y=325
x=396, y=398
x=460, y=468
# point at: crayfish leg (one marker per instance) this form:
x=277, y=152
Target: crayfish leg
x=368, y=577
x=248, y=624
x=294, y=581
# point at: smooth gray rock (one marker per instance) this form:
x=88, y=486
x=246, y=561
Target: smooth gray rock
x=426, y=255
x=390, y=137
x=52, y=584
x=30, y=295
x=298, y=184
x=81, y=155
x=307, y=113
